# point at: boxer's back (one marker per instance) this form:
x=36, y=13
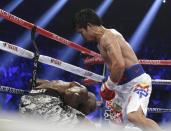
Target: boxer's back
x=125, y=49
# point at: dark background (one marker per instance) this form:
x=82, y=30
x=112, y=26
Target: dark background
x=124, y=16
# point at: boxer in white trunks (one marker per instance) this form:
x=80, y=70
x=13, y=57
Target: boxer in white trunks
x=127, y=79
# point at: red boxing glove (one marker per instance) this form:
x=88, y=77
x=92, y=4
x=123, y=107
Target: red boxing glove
x=106, y=93
x=107, y=90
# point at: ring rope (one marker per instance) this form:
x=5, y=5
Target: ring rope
x=43, y=32
x=60, y=64
x=150, y=110
x=99, y=60
x=89, y=82
x=6, y=89
x=159, y=110
x=57, y=63
x=46, y=33
x=50, y=61
x=161, y=82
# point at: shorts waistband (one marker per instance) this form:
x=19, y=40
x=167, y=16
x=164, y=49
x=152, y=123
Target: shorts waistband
x=131, y=73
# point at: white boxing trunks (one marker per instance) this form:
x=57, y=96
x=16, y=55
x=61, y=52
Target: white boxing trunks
x=134, y=91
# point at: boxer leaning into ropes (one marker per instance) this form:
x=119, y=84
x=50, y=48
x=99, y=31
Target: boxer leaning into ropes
x=127, y=76
x=65, y=103
x=121, y=90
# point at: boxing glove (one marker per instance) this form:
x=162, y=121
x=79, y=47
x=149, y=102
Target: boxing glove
x=107, y=89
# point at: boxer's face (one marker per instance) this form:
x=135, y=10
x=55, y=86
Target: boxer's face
x=86, y=33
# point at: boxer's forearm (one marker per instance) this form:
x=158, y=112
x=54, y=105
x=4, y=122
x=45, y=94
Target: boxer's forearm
x=40, y=82
x=116, y=72
x=44, y=85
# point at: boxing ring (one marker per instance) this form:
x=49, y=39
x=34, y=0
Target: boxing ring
x=94, y=58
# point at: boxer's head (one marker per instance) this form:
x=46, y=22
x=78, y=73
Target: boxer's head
x=89, y=105
x=85, y=22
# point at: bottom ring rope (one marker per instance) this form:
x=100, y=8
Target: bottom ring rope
x=154, y=82
x=6, y=89
x=159, y=110
x=150, y=110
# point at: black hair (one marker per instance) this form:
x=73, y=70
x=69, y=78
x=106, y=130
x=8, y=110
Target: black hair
x=85, y=17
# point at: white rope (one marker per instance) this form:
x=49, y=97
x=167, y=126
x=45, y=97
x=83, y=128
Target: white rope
x=161, y=82
x=159, y=110
x=150, y=110
x=6, y=89
x=16, y=50
x=62, y=65
x=50, y=61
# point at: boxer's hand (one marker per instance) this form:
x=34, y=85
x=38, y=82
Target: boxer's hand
x=74, y=83
x=107, y=89
x=39, y=82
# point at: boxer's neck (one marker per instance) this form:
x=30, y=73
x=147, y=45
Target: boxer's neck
x=99, y=32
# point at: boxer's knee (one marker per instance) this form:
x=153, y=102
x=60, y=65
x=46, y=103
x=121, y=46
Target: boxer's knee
x=135, y=117
x=139, y=119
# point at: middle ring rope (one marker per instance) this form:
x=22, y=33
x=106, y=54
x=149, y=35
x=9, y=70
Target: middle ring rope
x=62, y=65
x=51, y=61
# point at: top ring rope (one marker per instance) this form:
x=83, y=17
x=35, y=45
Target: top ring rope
x=99, y=60
x=43, y=32
x=51, y=61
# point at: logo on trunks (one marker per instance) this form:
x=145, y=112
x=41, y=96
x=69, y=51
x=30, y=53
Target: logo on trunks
x=111, y=114
x=109, y=104
x=142, y=90
x=57, y=62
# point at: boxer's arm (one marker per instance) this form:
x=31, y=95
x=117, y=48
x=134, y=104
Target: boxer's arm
x=38, y=82
x=111, y=44
x=44, y=85
x=74, y=83
x=61, y=86
x=57, y=86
